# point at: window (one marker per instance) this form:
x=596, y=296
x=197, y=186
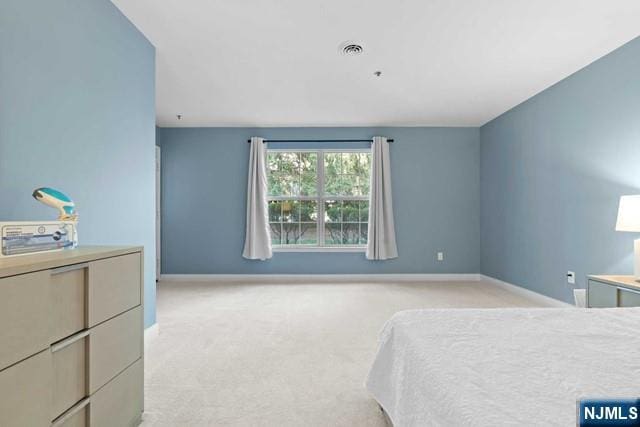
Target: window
x=318, y=198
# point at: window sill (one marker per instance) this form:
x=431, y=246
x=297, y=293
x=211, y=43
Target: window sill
x=320, y=249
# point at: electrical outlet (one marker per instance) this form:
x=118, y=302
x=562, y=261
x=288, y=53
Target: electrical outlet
x=440, y=256
x=571, y=277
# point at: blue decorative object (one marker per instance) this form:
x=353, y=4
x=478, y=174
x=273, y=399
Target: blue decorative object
x=58, y=200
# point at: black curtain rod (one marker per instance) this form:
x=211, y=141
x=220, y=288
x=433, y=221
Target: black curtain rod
x=319, y=140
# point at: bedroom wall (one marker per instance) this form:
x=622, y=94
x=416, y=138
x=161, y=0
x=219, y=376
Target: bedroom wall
x=78, y=114
x=435, y=174
x=552, y=171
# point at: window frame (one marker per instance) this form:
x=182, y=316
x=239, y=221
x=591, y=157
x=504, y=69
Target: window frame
x=320, y=199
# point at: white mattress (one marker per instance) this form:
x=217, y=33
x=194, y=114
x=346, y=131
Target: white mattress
x=496, y=367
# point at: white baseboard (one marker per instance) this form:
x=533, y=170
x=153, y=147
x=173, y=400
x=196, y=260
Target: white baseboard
x=151, y=333
x=319, y=278
x=542, y=299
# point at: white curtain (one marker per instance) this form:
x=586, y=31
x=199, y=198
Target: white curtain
x=382, y=236
x=257, y=242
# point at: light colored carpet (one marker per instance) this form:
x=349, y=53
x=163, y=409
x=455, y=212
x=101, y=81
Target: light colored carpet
x=280, y=355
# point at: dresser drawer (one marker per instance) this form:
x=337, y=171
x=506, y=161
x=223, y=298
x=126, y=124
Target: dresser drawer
x=24, y=316
x=114, y=287
x=68, y=296
x=113, y=346
x=69, y=373
x=75, y=418
x=601, y=295
x=628, y=298
x=120, y=402
x=25, y=392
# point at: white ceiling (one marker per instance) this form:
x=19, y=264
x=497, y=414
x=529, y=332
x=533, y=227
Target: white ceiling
x=444, y=62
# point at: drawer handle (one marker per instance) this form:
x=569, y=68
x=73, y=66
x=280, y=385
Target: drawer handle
x=71, y=412
x=68, y=268
x=68, y=341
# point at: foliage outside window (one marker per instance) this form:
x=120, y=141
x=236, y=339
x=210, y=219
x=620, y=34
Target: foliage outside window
x=318, y=198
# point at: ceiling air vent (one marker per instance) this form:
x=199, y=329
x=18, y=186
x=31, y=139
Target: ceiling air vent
x=351, y=49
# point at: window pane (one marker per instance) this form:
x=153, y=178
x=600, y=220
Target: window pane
x=332, y=164
x=273, y=183
x=343, y=222
x=352, y=185
x=273, y=161
x=292, y=173
x=332, y=185
x=363, y=233
x=275, y=211
x=308, y=163
x=308, y=184
x=290, y=211
x=350, y=163
x=276, y=232
x=350, y=233
x=356, y=163
x=283, y=185
x=289, y=163
x=293, y=222
x=347, y=234
x=364, y=185
x=350, y=211
x=360, y=185
x=346, y=185
x=290, y=233
x=309, y=233
x=332, y=173
x=363, y=172
x=332, y=234
x=333, y=211
x=347, y=174
x=364, y=211
x=283, y=174
x=308, y=211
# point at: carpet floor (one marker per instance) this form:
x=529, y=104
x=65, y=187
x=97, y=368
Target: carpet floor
x=280, y=355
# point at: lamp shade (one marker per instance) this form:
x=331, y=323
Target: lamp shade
x=629, y=214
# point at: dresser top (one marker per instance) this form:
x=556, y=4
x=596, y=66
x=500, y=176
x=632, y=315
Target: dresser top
x=625, y=281
x=21, y=264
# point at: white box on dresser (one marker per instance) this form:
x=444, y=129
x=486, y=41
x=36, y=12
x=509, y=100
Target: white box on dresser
x=71, y=338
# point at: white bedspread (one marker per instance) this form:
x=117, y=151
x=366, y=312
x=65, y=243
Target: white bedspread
x=495, y=367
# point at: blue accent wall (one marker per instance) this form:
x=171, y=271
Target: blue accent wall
x=552, y=171
x=78, y=114
x=435, y=173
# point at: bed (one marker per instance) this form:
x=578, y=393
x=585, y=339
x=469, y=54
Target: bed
x=496, y=367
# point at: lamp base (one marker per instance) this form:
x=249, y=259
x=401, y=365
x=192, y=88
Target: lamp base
x=636, y=257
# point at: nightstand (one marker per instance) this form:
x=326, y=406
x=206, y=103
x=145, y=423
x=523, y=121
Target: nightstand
x=613, y=291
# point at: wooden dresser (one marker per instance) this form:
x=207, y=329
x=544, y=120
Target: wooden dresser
x=613, y=291
x=71, y=338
